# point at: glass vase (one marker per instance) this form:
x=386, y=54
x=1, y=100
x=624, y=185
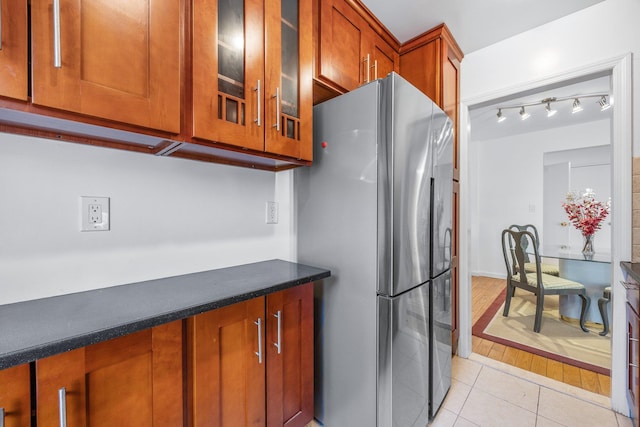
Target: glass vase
x=587, y=248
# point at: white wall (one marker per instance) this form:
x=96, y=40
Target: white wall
x=168, y=217
x=507, y=177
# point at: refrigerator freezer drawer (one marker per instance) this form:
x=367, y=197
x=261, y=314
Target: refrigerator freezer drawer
x=440, y=340
x=403, y=359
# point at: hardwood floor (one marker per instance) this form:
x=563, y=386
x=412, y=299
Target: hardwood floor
x=484, y=291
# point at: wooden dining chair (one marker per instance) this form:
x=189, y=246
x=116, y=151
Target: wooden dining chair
x=530, y=266
x=537, y=282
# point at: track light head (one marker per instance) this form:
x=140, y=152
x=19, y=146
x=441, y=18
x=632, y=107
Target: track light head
x=576, y=106
x=550, y=112
x=501, y=117
x=523, y=114
x=604, y=104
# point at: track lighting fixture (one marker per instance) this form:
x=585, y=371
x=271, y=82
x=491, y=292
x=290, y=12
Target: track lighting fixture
x=576, y=106
x=604, y=104
x=547, y=102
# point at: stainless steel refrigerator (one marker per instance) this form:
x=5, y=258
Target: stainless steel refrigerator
x=375, y=208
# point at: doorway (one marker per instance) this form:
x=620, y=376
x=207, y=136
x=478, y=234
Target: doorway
x=522, y=173
x=620, y=71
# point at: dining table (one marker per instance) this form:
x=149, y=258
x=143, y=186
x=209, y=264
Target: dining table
x=593, y=271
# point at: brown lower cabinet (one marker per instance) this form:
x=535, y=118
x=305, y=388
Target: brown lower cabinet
x=248, y=364
x=15, y=397
x=251, y=363
x=135, y=380
x=290, y=363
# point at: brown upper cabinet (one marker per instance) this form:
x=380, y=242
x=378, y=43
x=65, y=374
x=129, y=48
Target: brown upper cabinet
x=431, y=62
x=15, y=396
x=13, y=49
x=352, y=48
x=252, y=78
x=231, y=81
x=383, y=59
x=117, y=60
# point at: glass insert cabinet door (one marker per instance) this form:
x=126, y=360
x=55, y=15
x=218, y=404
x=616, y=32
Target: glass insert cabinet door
x=289, y=60
x=252, y=74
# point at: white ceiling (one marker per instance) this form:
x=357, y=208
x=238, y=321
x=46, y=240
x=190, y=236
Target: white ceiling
x=474, y=23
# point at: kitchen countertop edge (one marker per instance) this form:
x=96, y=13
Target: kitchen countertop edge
x=125, y=312
x=632, y=269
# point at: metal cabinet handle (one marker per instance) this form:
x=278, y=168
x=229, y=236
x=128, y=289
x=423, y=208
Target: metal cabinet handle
x=1, y=409
x=277, y=97
x=375, y=70
x=57, y=56
x=634, y=339
x=259, y=97
x=633, y=365
x=367, y=60
x=259, y=352
x=62, y=404
x=278, y=344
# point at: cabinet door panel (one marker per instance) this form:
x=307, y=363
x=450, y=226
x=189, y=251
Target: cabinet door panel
x=227, y=377
x=13, y=49
x=120, y=60
x=340, y=52
x=421, y=68
x=15, y=396
x=288, y=102
x=290, y=369
x=228, y=72
x=133, y=380
x=117, y=399
x=54, y=373
x=451, y=100
x=384, y=58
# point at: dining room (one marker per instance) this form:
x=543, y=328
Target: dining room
x=521, y=172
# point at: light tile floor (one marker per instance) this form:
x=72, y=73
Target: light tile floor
x=488, y=393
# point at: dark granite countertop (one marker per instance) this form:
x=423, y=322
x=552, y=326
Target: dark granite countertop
x=39, y=328
x=632, y=269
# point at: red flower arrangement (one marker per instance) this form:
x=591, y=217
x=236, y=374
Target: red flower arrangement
x=585, y=212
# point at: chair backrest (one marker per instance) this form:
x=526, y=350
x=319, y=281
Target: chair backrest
x=514, y=250
x=525, y=243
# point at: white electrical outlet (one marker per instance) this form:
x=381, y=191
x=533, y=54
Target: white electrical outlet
x=94, y=212
x=272, y=213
